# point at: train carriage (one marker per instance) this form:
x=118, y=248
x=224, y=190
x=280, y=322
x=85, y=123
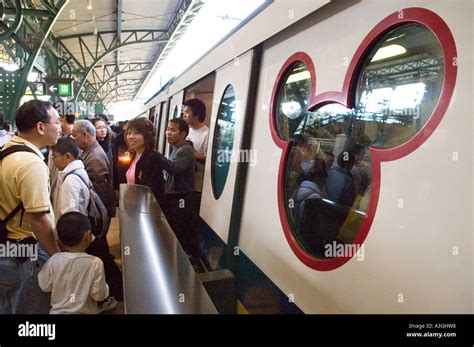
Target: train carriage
x=382, y=82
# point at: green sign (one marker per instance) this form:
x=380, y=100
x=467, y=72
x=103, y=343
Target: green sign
x=64, y=89
x=59, y=86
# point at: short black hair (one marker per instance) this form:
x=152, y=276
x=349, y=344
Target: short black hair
x=182, y=125
x=198, y=108
x=2, y=120
x=70, y=118
x=329, y=153
x=66, y=145
x=103, y=117
x=345, y=158
x=30, y=113
x=317, y=170
x=71, y=228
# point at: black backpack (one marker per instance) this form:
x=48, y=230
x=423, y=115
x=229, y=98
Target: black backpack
x=4, y=222
x=96, y=211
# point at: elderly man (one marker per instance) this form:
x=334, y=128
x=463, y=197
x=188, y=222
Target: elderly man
x=24, y=187
x=100, y=173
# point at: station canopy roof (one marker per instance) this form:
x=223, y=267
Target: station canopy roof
x=115, y=44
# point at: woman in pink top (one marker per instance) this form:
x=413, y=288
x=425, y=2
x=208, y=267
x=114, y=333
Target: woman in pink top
x=145, y=167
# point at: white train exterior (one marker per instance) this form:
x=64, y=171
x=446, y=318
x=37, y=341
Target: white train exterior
x=417, y=230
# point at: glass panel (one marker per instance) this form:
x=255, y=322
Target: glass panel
x=328, y=175
x=175, y=112
x=400, y=84
x=292, y=101
x=223, y=141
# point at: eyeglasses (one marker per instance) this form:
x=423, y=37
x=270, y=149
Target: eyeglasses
x=55, y=123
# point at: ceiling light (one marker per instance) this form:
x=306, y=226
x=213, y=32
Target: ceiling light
x=295, y=77
x=388, y=52
x=95, y=30
x=89, y=4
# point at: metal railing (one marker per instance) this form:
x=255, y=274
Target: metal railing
x=158, y=277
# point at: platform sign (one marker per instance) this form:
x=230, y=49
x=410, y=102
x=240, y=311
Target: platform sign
x=59, y=86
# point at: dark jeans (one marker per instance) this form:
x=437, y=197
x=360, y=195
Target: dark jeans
x=180, y=213
x=113, y=276
x=19, y=288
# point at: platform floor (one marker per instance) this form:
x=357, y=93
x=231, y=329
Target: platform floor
x=113, y=238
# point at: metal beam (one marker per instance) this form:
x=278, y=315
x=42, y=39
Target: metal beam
x=15, y=91
x=131, y=84
x=119, y=31
x=117, y=85
x=132, y=67
x=28, y=12
x=100, y=53
x=121, y=97
x=106, y=32
x=17, y=21
x=186, y=12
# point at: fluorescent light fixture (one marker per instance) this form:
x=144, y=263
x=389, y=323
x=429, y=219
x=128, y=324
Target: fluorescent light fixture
x=89, y=4
x=303, y=75
x=388, y=52
x=395, y=37
x=95, y=31
x=33, y=76
x=198, y=39
x=9, y=66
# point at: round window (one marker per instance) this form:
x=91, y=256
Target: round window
x=223, y=141
x=328, y=169
x=399, y=85
x=293, y=99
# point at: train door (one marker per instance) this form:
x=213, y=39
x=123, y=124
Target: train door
x=204, y=91
x=160, y=127
x=175, y=105
x=225, y=136
x=152, y=115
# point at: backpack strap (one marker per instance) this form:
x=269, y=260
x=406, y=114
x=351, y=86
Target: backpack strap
x=73, y=172
x=19, y=207
x=15, y=148
x=5, y=221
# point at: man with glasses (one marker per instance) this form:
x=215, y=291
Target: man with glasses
x=24, y=178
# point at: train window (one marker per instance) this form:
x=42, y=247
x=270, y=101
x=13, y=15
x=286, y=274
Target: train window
x=327, y=180
x=175, y=112
x=293, y=99
x=223, y=141
x=399, y=85
x=328, y=175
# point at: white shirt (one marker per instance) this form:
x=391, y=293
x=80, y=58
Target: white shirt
x=77, y=282
x=4, y=137
x=71, y=194
x=199, y=138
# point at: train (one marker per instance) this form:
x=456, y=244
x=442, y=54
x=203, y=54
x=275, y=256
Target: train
x=387, y=84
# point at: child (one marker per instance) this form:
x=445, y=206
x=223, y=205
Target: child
x=76, y=279
x=70, y=193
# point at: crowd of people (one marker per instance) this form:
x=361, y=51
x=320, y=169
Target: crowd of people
x=44, y=201
x=340, y=183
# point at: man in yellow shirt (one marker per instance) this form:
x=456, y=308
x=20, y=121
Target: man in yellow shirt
x=24, y=178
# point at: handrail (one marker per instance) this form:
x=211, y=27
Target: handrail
x=158, y=277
